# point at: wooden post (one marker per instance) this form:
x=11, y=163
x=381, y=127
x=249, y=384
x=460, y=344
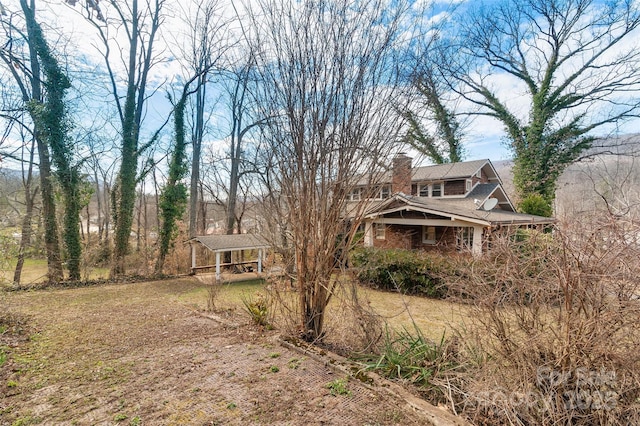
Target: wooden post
x=259, y=261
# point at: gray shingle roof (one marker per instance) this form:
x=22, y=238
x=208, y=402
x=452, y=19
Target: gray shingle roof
x=448, y=171
x=433, y=172
x=463, y=208
x=232, y=242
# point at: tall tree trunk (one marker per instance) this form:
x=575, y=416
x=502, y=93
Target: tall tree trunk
x=52, y=243
x=174, y=195
x=196, y=146
x=25, y=240
x=126, y=180
x=202, y=206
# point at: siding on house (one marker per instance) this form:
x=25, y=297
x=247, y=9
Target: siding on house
x=455, y=187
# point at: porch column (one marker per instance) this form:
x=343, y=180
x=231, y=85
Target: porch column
x=193, y=258
x=476, y=247
x=368, y=234
x=217, y=266
x=259, y=261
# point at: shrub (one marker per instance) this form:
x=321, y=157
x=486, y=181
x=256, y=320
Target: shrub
x=555, y=322
x=537, y=205
x=400, y=270
x=258, y=309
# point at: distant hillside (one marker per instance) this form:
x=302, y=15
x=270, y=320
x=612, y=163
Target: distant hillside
x=607, y=177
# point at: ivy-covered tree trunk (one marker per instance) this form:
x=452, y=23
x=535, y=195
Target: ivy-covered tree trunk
x=173, y=200
x=125, y=194
x=52, y=243
x=51, y=122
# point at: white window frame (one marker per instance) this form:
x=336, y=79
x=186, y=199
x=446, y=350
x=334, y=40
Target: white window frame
x=380, y=231
x=468, y=185
x=441, y=186
x=464, y=238
x=429, y=235
x=424, y=187
x=383, y=193
x=355, y=194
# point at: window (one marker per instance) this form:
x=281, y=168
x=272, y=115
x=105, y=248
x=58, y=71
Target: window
x=355, y=194
x=430, y=190
x=464, y=238
x=436, y=189
x=429, y=234
x=384, y=192
x=380, y=230
x=468, y=185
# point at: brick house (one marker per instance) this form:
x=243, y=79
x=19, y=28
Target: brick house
x=455, y=206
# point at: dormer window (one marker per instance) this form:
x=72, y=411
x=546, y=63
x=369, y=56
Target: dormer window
x=436, y=189
x=431, y=190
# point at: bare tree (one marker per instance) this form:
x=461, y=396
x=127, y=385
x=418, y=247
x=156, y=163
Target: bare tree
x=205, y=45
x=327, y=77
x=577, y=72
x=25, y=69
x=30, y=193
x=140, y=21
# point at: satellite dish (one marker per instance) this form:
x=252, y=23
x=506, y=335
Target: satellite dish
x=490, y=204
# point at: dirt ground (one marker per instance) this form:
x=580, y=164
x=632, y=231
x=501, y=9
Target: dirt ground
x=143, y=354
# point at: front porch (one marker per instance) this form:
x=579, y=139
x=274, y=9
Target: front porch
x=425, y=235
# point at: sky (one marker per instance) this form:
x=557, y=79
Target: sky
x=484, y=136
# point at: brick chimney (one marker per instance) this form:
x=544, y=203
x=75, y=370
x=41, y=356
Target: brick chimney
x=401, y=174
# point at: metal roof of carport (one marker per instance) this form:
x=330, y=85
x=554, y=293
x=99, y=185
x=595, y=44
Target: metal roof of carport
x=234, y=242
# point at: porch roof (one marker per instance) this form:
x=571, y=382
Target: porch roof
x=462, y=210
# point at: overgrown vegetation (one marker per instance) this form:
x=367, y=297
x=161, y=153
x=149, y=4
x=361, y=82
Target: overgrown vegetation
x=407, y=355
x=406, y=271
x=551, y=335
x=258, y=308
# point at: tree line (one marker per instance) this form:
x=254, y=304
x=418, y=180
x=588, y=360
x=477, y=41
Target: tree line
x=307, y=98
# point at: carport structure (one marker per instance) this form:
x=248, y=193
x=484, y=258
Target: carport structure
x=219, y=244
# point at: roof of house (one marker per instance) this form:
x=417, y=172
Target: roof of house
x=435, y=172
x=448, y=171
x=222, y=243
x=455, y=209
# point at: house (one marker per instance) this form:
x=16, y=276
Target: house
x=455, y=206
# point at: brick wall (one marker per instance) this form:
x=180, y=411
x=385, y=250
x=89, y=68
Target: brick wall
x=401, y=174
x=410, y=238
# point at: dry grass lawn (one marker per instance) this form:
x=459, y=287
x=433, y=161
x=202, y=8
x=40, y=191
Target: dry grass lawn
x=144, y=353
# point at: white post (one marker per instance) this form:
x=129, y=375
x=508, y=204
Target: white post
x=217, y=266
x=368, y=234
x=193, y=258
x=476, y=247
x=259, y=261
